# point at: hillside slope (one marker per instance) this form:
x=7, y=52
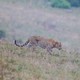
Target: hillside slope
x=21, y=21
x=22, y=64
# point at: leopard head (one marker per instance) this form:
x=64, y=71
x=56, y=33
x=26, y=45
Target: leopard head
x=58, y=45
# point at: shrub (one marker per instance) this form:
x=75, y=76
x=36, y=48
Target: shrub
x=2, y=34
x=65, y=3
x=60, y=3
x=74, y=3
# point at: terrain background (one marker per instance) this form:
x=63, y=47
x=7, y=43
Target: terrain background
x=20, y=19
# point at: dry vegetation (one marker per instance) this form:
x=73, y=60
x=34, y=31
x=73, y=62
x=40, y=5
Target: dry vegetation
x=23, y=64
x=21, y=21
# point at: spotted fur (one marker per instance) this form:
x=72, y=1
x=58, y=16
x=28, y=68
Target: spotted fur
x=42, y=42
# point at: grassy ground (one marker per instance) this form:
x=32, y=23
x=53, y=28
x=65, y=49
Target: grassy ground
x=21, y=21
x=23, y=64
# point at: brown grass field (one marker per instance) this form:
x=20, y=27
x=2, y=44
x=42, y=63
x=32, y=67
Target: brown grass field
x=20, y=21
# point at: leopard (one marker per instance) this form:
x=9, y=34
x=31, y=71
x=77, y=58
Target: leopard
x=38, y=41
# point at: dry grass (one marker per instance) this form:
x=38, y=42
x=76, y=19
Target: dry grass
x=23, y=64
x=26, y=20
